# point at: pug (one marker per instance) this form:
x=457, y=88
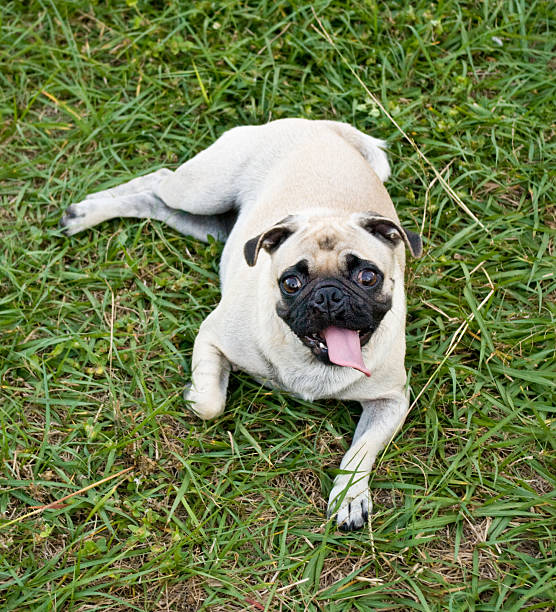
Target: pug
x=312, y=274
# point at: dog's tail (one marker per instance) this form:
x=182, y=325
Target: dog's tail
x=372, y=149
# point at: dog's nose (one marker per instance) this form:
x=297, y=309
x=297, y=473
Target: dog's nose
x=328, y=299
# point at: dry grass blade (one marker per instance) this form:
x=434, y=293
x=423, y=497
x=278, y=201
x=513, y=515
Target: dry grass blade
x=59, y=502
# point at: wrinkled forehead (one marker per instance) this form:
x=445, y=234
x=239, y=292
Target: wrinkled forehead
x=326, y=243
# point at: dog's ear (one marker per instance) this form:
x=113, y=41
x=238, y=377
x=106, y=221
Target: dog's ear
x=269, y=240
x=392, y=232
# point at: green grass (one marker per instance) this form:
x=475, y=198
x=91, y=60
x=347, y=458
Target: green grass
x=96, y=331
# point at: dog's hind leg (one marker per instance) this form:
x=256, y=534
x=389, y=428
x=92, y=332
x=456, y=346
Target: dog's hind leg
x=199, y=199
x=196, y=200
x=136, y=198
x=218, y=179
x=142, y=205
x=137, y=185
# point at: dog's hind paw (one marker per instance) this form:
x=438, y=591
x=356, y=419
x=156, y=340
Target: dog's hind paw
x=76, y=218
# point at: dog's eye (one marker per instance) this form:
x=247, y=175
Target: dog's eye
x=367, y=277
x=291, y=284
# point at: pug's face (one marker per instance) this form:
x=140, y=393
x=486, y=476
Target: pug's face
x=349, y=298
x=334, y=279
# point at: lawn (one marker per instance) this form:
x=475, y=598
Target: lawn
x=165, y=512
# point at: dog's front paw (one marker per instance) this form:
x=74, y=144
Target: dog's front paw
x=351, y=506
x=204, y=405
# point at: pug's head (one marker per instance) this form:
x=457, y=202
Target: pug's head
x=334, y=278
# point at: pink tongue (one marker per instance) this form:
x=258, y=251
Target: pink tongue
x=344, y=348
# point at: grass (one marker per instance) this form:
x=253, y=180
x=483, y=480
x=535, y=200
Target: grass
x=96, y=331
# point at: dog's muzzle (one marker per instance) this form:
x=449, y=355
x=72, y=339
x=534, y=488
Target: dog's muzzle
x=334, y=319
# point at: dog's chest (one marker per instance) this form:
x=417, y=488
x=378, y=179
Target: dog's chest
x=307, y=379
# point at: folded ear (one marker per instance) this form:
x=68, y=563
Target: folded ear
x=392, y=232
x=269, y=240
